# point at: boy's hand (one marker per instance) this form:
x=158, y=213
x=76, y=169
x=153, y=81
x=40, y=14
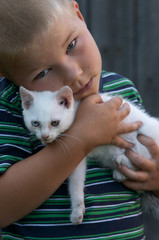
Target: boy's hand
x=147, y=178
x=125, y=128
x=99, y=123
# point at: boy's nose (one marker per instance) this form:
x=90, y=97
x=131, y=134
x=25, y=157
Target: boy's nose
x=73, y=72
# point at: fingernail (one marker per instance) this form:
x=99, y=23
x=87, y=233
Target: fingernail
x=132, y=145
x=142, y=138
x=128, y=151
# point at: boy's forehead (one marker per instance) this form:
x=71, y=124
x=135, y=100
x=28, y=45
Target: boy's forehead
x=51, y=43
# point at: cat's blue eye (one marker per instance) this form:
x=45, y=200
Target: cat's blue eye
x=71, y=45
x=42, y=74
x=55, y=123
x=35, y=123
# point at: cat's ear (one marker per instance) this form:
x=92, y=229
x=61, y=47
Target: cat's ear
x=26, y=97
x=65, y=97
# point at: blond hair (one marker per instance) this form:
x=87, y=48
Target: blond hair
x=22, y=20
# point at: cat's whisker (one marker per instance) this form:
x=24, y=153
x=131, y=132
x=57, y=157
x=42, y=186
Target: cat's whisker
x=62, y=145
x=71, y=136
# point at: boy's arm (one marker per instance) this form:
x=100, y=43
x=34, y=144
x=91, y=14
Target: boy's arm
x=28, y=183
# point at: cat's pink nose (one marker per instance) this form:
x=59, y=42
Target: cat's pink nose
x=45, y=137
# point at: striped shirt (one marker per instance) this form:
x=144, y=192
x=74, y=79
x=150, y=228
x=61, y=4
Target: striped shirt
x=113, y=212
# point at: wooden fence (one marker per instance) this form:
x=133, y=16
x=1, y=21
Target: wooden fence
x=127, y=33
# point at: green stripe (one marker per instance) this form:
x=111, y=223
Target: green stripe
x=20, y=142
x=124, y=235
x=16, y=109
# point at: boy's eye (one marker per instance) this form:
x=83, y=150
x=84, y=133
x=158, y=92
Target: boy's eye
x=42, y=74
x=71, y=45
x=35, y=123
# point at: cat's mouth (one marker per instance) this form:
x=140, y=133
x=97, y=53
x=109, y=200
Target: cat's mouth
x=46, y=141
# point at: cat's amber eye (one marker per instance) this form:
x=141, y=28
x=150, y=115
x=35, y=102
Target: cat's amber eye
x=35, y=123
x=55, y=123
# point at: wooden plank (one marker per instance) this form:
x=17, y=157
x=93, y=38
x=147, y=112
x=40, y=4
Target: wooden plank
x=148, y=53
x=111, y=24
x=83, y=7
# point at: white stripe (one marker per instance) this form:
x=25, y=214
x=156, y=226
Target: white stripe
x=95, y=169
x=108, y=74
x=15, y=98
x=13, y=136
x=99, y=183
x=87, y=208
x=12, y=145
x=16, y=238
x=120, y=235
x=12, y=237
x=15, y=115
x=6, y=91
x=118, y=91
x=5, y=164
x=83, y=223
x=117, y=83
x=1, y=79
x=9, y=125
x=4, y=156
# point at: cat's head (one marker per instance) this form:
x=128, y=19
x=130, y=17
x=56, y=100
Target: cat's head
x=48, y=114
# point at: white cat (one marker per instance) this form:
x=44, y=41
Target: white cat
x=49, y=114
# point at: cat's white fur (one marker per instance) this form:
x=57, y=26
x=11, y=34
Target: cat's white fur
x=47, y=109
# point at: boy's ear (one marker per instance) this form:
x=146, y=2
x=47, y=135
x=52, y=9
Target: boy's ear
x=76, y=8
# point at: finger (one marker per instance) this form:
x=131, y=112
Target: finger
x=124, y=111
x=95, y=98
x=135, y=185
x=120, y=142
x=116, y=102
x=139, y=176
x=150, y=144
x=131, y=127
x=139, y=161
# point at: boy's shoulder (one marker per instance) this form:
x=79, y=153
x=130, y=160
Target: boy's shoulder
x=116, y=84
x=9, y=92
x=111, y=81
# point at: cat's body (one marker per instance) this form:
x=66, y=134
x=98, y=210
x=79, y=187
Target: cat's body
x=48, y=114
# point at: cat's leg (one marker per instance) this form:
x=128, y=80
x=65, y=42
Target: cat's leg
x=118, y=176
x=76, y=190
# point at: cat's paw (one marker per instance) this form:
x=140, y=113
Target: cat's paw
x=118, y=176
x=123, y=160
x=77, y=214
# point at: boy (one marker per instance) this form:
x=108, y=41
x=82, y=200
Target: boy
x=45, y=45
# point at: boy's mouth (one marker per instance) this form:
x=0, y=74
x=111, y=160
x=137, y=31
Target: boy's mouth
x=85, y=88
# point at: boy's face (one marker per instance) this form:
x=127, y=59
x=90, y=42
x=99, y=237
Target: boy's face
x=67, y=56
